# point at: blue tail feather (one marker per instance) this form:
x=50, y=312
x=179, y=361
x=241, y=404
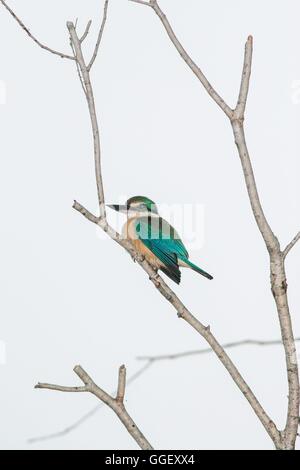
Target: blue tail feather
x=196, y=268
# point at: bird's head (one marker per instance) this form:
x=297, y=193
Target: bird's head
x=136, y=206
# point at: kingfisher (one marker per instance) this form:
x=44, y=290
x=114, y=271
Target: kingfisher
x=154, y=238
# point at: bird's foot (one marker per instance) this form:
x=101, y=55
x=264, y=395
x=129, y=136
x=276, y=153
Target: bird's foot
x=133, y=257
x=136, y=257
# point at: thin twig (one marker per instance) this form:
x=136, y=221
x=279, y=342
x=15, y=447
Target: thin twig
x=99, y=36
x=291, y=245
x=86, y=32
x=61, y=388
x=245, y=81
x=141, y=2
x=86, y=213
x=234, y=344
x=43, y=46
x=121, y=384
x=116, y=405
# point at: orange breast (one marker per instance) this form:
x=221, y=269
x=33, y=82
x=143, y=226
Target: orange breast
x=130, y=233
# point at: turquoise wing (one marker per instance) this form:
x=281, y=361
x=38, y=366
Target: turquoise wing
x=164, y=242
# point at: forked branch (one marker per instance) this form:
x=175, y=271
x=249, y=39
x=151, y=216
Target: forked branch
x=92, y=411
x=116, y=404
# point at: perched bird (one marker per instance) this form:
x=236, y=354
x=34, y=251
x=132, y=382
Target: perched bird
x=154, y=238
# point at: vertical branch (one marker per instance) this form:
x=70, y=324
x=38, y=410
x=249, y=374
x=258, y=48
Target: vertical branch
x=270, y=240
x=245, y=81
x=121, y=384
x=99, y=36
x=277, y=268
x=92, y=110
x=237, y=122
x=279, y=290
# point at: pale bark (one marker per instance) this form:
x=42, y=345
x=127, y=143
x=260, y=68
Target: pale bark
x=91, y=412
x=101, y=30
x=116, y=404
x=85, y=73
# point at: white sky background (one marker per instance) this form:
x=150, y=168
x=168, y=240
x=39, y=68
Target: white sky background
x=69, y=297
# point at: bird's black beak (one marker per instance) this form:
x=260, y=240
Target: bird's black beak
x=119, y=207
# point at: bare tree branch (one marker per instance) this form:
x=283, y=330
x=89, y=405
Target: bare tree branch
x=286, y=438
x=240, y=140
x=91, y=412
x=245, y=81
x=291, y=245
x=79, y=72
x=86, y=32
x=83, y=72
x=87, y=214
x=60, y=54
x=234, y=344
x=61, y=388
x=99, y=36
x=277, y=268
x=92, y=110
x=116, y=404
